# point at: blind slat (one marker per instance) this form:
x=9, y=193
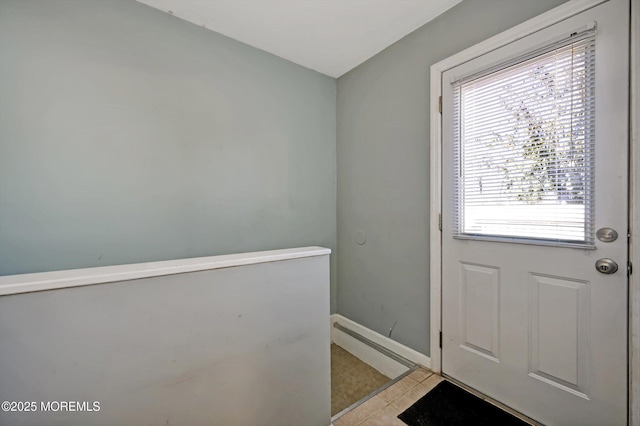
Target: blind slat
x=524, y=147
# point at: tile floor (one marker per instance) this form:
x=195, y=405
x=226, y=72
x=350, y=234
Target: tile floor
x=383, y=408
x=351, y=379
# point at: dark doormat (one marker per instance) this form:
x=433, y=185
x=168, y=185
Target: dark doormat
x=450, y=405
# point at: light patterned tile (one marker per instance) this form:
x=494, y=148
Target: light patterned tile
x=361, y=412
x=420, y=374
x=397, y=389
x=432, y=381
x=387, y=416
x=410, y=397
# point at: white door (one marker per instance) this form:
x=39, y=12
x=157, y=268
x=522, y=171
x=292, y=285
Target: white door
x=535, y=159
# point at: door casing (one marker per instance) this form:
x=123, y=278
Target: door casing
x=544, y=20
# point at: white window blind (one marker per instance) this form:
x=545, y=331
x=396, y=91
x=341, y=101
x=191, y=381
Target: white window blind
x=524, y=147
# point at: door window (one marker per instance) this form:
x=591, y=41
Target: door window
x=524, y=146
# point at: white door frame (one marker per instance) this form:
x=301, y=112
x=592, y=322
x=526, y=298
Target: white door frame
x=634, y=188
x=544, y=20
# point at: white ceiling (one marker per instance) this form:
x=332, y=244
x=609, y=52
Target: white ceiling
x=329, y=36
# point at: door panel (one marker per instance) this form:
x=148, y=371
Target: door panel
x=531, y=322
x=479, y=309
x=559, y=348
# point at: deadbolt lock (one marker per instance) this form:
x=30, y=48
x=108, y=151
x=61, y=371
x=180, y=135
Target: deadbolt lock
x=606, y=266
x=607, y=235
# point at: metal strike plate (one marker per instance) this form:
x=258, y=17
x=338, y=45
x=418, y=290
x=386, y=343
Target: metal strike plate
x=607, y=235
x=606, y=266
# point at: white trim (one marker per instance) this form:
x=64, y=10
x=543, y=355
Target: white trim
x=368, y=355
x=634, y=184
x=15, y=284
x=371, y=356
x=435, y=242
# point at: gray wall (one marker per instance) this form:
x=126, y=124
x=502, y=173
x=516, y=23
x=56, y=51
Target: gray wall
x=217, y=347
x=383, y=168
x=128, y=135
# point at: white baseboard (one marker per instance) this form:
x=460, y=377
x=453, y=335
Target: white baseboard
x=371, y=356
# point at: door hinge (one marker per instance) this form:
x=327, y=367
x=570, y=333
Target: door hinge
x=629, y=269
x=440, y=341
x=440, y=222
x=440, y=104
